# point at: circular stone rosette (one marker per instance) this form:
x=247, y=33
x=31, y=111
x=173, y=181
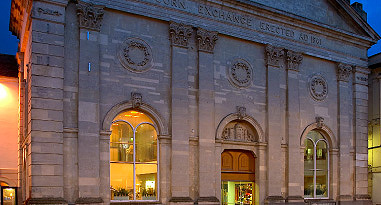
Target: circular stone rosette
x=135, y=55
x=318, y=87
x=240, y=73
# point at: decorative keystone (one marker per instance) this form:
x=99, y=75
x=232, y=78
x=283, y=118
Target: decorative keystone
x=273, y=55
x=319, y=122
x=90, y=15
x=241, y=112
x=206, y=40
x=136, y=99
x=179, y=34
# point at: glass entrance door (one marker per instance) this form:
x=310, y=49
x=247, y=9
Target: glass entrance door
x=237, y=178
x=8, y=196
x=237, y=193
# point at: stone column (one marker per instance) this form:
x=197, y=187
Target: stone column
x=90, y=17
x=344, y=73
x=295, y=157
x=70, y=104
x=361, y=132
x=44, y=143
x=274, y=58
x=179, y=36
x=207, y=173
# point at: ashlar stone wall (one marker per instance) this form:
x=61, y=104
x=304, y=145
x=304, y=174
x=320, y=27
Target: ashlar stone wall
x=195, y=72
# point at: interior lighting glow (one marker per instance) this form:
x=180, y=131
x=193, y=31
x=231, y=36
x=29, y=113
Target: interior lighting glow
x=150, y=184
x=134, y=112
x=3, y=91
x=128, y=115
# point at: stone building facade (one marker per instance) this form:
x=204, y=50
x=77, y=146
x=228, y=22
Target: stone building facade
x=193, y=102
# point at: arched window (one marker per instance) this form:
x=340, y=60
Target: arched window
x=133, y=157
x=316, y=166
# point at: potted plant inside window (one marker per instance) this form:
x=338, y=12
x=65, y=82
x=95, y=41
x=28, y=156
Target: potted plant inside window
x=121, y=194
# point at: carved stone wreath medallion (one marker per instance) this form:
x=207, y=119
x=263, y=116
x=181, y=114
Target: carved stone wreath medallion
x=318, y=87
x=135, y=55
x=240, y=73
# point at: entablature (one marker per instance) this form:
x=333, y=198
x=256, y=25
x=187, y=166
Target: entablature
x=256, y=23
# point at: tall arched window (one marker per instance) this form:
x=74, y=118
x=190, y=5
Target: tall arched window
x=316, y=166
x=133, y=157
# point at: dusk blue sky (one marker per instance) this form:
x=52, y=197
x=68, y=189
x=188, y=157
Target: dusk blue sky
x=9, y=42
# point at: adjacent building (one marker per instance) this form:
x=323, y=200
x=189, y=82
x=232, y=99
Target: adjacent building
x=9, y=115
x=374, y=138
x=193, y=102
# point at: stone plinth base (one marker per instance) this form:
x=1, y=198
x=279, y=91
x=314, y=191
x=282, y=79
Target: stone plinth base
x=46, y=200
x=89, y=200
x=274, y=200
x=295, y=200
x=181, y=201
x=208, y=201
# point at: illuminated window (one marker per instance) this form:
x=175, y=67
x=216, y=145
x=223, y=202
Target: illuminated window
x=316, y=166
x=133, y=157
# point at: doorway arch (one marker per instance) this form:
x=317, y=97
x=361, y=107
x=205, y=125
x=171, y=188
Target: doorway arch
x=237, y=177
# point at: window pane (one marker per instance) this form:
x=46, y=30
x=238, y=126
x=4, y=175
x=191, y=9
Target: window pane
x=121, y=142
x=146, y=182
x=146, y=143
x=121, y=181
x=133, y=117
x=308, y=169
x=314, y=136
x=121, y=152
x=321, y=169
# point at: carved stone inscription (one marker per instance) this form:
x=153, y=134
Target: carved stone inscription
x=224, y=15
x=241, y=19
x=49, y=12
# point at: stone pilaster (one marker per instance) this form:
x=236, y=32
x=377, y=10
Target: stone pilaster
x=104, y=169
x=274, y=62
x=295, y=162
x=44, y=144
x=334, y=184
x=361, y=132
x=262, y=171
x=70, y=104
x=90, y=17
x=344, y=75
x=179, y=36
x=206, y=41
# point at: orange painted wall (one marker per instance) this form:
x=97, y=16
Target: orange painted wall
x=8, y=122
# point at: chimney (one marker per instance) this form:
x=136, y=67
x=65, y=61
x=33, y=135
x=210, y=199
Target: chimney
x=358, y=8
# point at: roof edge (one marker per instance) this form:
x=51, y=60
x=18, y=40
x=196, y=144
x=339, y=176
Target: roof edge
x=358, y=19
